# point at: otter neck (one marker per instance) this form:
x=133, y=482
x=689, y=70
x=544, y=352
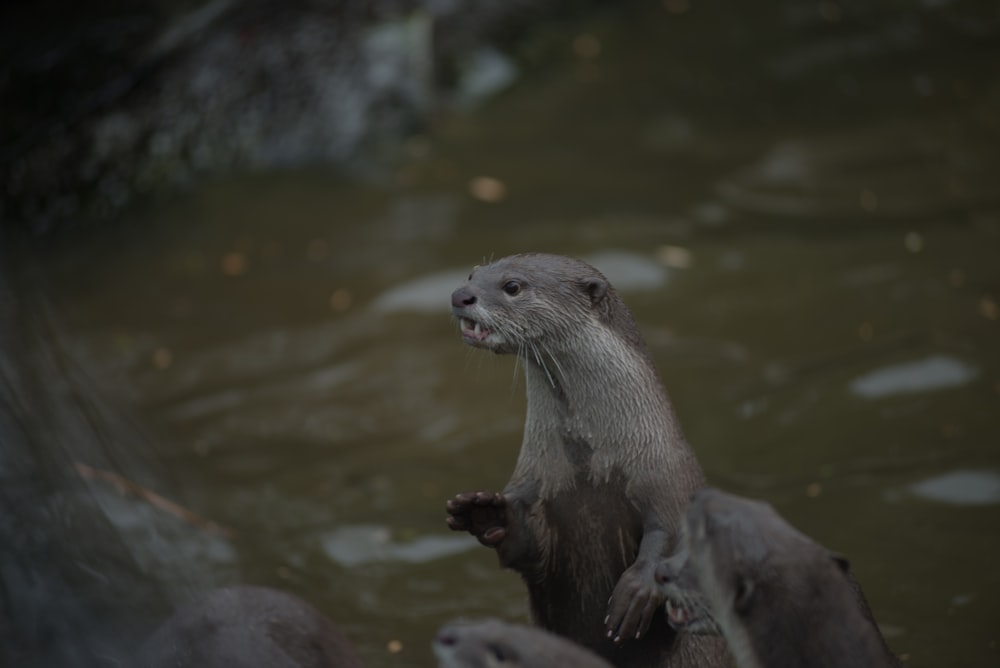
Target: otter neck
x=593, y=407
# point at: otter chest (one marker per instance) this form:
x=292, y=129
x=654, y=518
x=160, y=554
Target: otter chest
x=590, y=528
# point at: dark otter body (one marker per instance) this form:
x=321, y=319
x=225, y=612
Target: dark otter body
x=779, y=598
x=248, y=627
x=490, y=643
x=604, y=473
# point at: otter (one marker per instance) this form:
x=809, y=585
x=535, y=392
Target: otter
x=604, y=473
x=779, y=598
x=249, y=627
x=491, y=642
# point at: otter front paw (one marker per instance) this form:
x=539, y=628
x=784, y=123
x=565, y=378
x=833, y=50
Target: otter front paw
x=633, y=603
x=483, y=514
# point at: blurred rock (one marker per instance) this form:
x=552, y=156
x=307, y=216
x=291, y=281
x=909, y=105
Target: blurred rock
x=107, y=103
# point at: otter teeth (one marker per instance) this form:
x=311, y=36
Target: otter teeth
x=677, y=614
x=474, y=329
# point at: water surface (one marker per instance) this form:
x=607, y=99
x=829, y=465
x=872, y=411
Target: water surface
x=807, y=231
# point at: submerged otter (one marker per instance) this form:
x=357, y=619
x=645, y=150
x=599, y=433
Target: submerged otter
x=248, y=627
x=604, y=472
x=779, y=598
x=491, y=642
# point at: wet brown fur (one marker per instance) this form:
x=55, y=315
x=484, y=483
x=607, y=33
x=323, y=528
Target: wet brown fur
x=604, y=472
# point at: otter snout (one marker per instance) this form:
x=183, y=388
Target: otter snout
x=462, y=297
x=664, y=573
x=447, y=637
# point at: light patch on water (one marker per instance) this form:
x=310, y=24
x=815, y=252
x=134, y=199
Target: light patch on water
x=629, y=271
x=711, y=213
x=753, y=407
x=484, y=73
x=787, y=162
x=961, y=488
x=963, y=599
x=936, y=372
x=368, y=543
x=425, y=294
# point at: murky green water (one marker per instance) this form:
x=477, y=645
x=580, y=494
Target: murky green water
x=809, y=236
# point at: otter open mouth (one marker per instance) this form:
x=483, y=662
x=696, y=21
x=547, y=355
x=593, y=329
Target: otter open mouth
x=677, y=615
x=682, y=618
x=474, y=331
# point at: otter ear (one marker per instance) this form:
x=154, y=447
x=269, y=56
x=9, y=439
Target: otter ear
x=596, y=289
x=841, y=561
x=744, y=594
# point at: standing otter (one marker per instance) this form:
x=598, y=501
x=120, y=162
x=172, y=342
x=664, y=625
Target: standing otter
x=248, y=627
x=604, y=473
x=779, y=598
x=491, y=643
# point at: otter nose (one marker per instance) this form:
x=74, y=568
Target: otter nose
x=663, y=573
x=447, y=637
x=462, y=297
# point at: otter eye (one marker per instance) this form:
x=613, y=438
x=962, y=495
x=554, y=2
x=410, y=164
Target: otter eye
x=498, y=652
x=744, y=594
x=512, y=287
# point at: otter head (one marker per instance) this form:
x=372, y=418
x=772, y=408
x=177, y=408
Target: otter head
x=753, y=568
x=492, y=643
x=475, y=645
x=533, y=303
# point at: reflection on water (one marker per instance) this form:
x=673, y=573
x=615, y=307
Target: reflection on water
x=794, y=244
x=963, y=488
x=422, y=293
x=356, y=545
x=932, y=373
x=629, y=271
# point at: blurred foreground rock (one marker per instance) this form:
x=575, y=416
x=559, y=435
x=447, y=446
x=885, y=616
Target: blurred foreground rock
x=105, y=103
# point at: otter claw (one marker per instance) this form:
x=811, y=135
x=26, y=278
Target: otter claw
x=482, y=513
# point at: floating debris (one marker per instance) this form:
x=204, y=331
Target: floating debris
x=233, y=264
x=341, y=300
x=675, y=257
x=587, y=46
x=487, y=189
x=162, y=358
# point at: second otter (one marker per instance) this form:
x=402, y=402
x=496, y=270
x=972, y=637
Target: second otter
x=604, y=472
x=779, y=598
x=491, y=643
